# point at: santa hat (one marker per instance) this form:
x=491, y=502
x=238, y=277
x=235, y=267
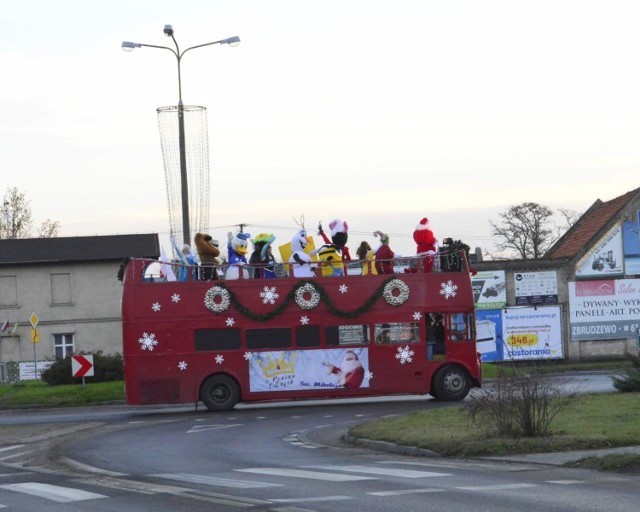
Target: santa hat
x=424, y=224
x=338, y=226
x=384, y=238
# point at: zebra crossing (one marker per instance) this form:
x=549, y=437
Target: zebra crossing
x=214, y=489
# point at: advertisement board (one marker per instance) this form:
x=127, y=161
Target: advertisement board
x=489, y=289
x=489, y=334
x=604, y=309
x=536, y=288
x=532, y=333
x=631, y=249
x=290, y=370
x=606, y=258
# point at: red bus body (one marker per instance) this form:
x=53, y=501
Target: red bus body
x=225, y=341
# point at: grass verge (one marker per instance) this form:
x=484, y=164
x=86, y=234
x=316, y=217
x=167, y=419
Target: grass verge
x=36, y=393
x=592, y=421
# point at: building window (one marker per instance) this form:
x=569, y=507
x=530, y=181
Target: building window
x=60, y=288
x=8, y=291
x=63, y=345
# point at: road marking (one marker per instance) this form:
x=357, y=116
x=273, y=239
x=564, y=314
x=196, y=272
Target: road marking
x=13, y=447
x=464, y=465
x=319, y=498
x=53, y=492
x=403, y=473
x=565, y=482
x=408, y=491
x=15, y=455
x=85, y=468
x=503, y=487
x=212, y=480
x=196, y=429
x=300, y=473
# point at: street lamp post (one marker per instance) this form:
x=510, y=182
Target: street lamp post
x=184, y=187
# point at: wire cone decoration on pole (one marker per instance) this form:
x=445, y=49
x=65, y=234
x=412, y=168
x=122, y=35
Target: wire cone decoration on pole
x=196, y=150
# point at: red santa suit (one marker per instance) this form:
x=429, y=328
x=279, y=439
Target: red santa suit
x=351, y=371
x=427, y=243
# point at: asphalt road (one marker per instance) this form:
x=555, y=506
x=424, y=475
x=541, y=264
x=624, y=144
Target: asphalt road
x=276, y=457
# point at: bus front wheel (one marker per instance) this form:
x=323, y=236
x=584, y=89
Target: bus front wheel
x=220, y=393
x=451, y=383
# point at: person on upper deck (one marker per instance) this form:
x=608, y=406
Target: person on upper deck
x=365, y=255
x=427, y=244
x=383, y=255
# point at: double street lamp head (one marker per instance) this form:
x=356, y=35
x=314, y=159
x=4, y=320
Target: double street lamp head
x=128, y=46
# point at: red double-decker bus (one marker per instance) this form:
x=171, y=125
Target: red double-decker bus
x=252, y=339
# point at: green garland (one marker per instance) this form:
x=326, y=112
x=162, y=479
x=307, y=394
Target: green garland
x=290, y=297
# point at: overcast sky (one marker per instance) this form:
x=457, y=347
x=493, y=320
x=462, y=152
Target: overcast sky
x=377, y=112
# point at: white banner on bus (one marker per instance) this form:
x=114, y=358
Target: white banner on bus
x=604, y=310
x=297, y=370
x=532, y=333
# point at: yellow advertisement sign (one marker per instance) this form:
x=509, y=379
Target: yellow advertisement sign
x=523, y=340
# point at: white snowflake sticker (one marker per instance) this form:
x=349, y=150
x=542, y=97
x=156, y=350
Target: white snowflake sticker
x=230, y=322
x=343, y=288
x=448, y=289
x=368, y=375
x=148, y=341
x=269, y=295
x=175, y=298
x=219, y=359
x=182, y=365
x=304, y=320
x=417, y=315
x=156, y=306
x=248, y=356
x=405, y=355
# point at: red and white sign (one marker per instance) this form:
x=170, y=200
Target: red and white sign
x=82, y=366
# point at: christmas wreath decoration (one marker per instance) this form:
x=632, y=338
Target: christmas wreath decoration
x=211, y=296
x=297, y=295
x=310, y=303
x=390, y=289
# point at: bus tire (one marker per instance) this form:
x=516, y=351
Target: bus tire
x=220, y=393
x=451, y=383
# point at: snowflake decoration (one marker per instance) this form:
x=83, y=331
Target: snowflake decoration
x=417, y=315
x=368, y=375
x=343, y=288
x=156, y=306
x=182, y=365
x=175, y=298
x=148, y=341
x=219, y=359
x=230, y=322
x=269, y=295
x=405, y=355
x=248, y=356
x=448, y=289
x=304, y=320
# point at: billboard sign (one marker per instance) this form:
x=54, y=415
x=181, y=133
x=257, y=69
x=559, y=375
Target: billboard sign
x=532, y=333
x=604, y=310
x=536, y=288
x=606, y=258
x=489, y=289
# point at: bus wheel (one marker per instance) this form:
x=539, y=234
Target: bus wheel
x=220, y=393
x=451, y=383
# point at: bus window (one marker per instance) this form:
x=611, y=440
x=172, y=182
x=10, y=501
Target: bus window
x=461, y=327
x=397, y=332
x=269, y=338
x=308, y=335
x=217, y=339
x=347, y=335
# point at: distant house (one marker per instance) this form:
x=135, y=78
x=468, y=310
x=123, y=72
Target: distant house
x=72, y=286
x=596, y=267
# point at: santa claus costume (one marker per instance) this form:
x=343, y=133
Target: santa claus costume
x=350, y=371
x=427, y=244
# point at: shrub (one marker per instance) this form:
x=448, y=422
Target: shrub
x=631, y=379
x=522, y=402
x=106, y=368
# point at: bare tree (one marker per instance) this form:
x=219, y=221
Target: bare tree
x=528, y=229
x=15, y=217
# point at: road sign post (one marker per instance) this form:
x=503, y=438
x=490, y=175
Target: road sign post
x=35, y=338
x=82, y=366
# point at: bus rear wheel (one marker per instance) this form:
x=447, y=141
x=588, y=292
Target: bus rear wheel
x=451, y=383
x=220, y=393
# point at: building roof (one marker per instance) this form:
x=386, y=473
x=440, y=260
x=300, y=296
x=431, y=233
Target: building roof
x=590, y=226
x=21, y=251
